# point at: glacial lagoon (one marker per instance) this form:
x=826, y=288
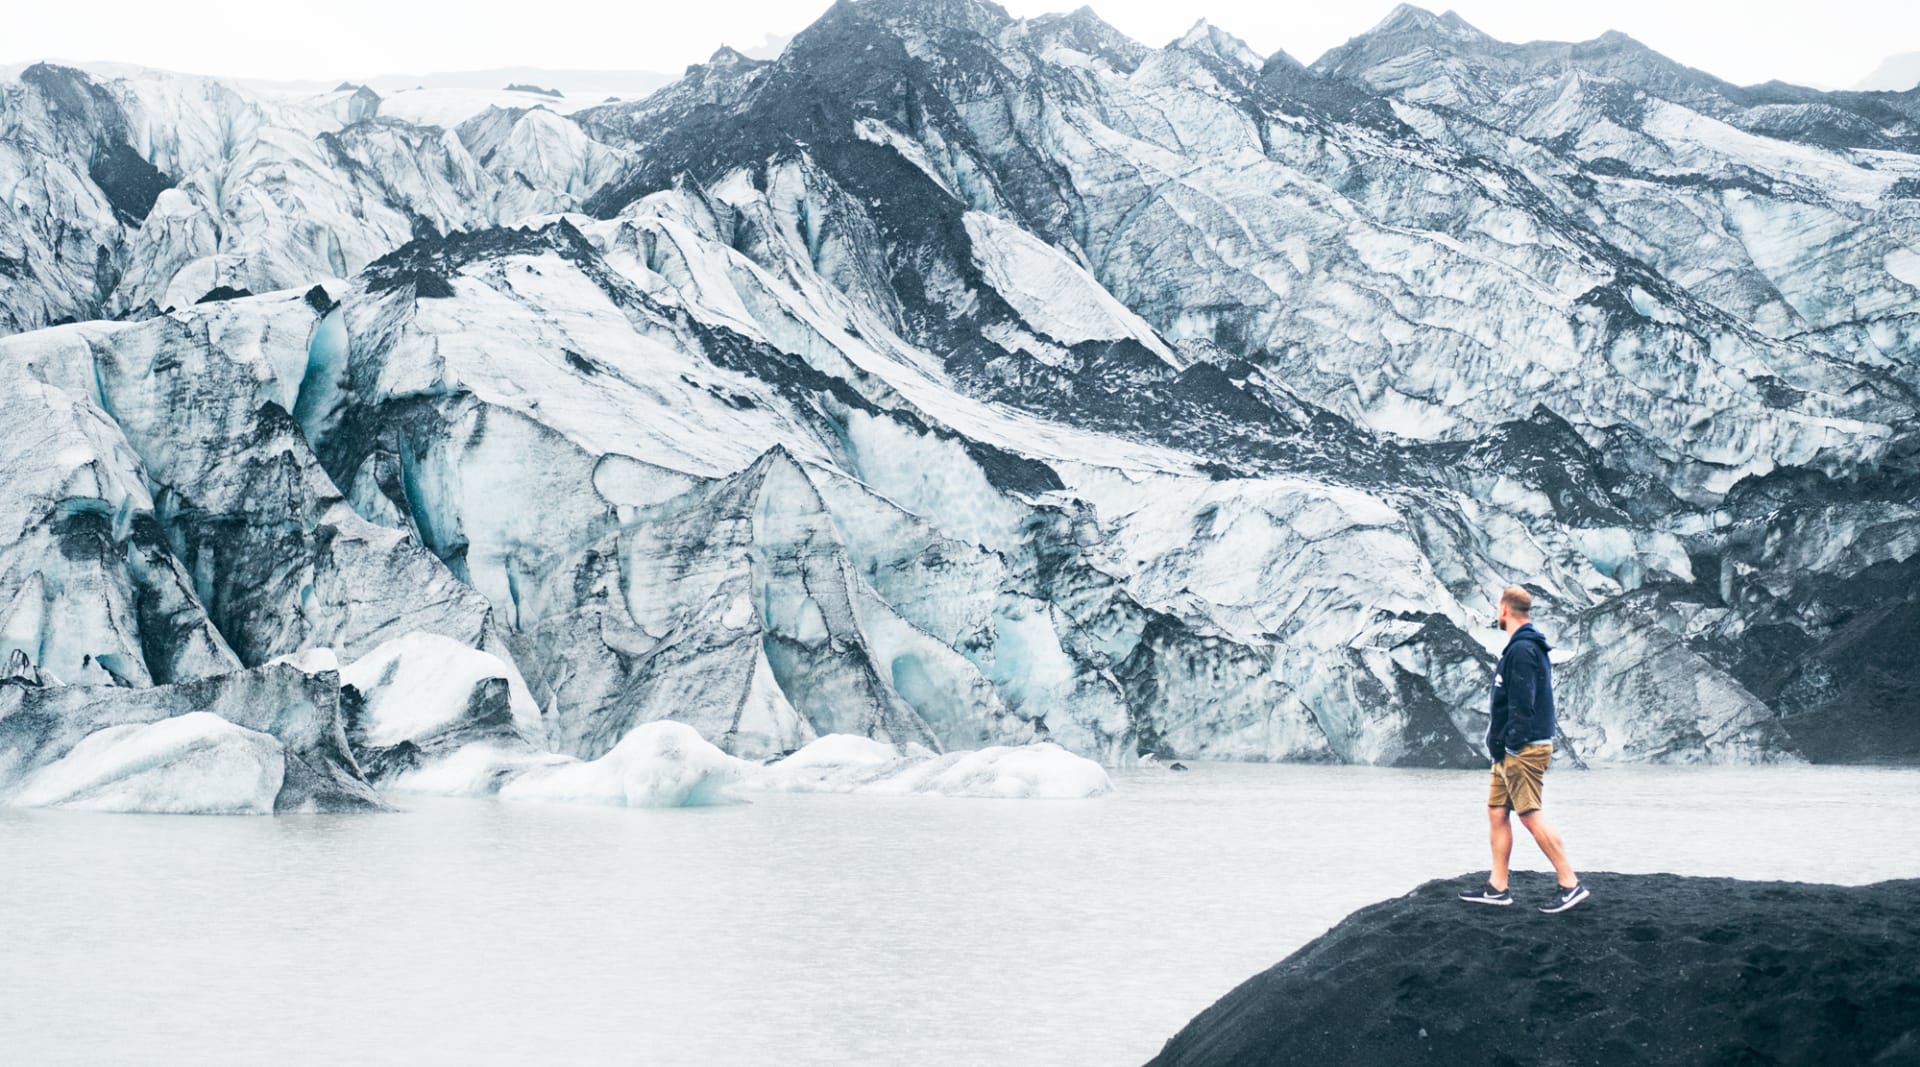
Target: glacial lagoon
x=804, y=929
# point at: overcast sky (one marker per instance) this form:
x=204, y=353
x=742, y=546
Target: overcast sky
x=1829, y=43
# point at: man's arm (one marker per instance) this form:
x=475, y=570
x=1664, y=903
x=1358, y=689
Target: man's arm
x=1521, y=675
x=1497, y=715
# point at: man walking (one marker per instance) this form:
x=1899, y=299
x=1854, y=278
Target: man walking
x=1520, y=743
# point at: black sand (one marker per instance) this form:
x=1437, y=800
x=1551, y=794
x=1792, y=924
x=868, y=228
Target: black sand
x=1652, y=969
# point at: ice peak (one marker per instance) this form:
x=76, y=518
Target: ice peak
x=725, y=59
x=1616, y=41
x=1214, y=41
x=1084, y=15
x=776, y=456
x=971, y=14
x=1411, y=18
x=1083, y=20
x=775, y=472
x=1281, y=60
x=1083, y=30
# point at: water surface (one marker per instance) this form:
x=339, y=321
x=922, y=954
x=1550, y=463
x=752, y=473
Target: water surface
x=804, y=929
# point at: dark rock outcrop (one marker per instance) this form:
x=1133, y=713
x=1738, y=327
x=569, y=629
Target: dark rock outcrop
x=1653, y=969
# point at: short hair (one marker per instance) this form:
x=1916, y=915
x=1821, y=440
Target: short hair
x=1517, y=600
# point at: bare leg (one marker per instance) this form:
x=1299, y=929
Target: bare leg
x=1501, y=832
x=1549, y=841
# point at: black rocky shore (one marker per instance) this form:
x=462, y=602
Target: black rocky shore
x=1653, y=969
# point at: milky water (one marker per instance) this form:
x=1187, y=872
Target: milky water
x=803, y=929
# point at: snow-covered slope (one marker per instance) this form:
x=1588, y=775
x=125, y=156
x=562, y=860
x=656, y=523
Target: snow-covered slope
x=1442, y=60
x=960, y=381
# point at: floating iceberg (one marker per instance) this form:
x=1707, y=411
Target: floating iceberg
x=657, y=765
x=423, y=694
x=836, y=763
x=1043, y=771
x=842, y=763
x=96, y=734
x=668, y=764
x=197, y=763
x=477, y=769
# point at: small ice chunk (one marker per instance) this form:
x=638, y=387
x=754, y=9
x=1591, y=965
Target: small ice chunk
x=668, y=764
x=836, y=763
x=197, y=763
x=309, y=660
x=478, y=769
x=1043, y=771
x=421, y=683
x=839, y=750
x=845, y=763
x=661, y=764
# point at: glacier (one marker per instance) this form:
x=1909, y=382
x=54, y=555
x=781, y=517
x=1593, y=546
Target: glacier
x=996, y=391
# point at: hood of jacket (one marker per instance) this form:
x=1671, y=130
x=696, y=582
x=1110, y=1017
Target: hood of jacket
x=1526, y=632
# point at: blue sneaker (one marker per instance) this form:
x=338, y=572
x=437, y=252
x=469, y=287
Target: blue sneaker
x=1566, y=898
x=1488, y=895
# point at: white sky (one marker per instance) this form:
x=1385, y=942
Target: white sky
x=1829, y=43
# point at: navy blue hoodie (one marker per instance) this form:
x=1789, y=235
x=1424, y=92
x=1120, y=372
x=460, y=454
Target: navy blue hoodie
x=1522, y=704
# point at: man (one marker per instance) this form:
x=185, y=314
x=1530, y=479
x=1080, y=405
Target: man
x=1520, y=743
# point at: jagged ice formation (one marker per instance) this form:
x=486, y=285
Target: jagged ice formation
x=954, y=381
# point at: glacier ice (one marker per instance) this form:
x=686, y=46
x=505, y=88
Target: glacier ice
x=1140, y=401
x=225, y=715
x=1041, y=771
x=847, y=763
x=476, y=769
x=657, y=765
x=196, y=764
x=836, y=763
x=247, y=542
x=423, y=694
x=668, y=764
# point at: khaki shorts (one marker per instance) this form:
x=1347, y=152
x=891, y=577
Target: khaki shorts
x=1517, y=780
